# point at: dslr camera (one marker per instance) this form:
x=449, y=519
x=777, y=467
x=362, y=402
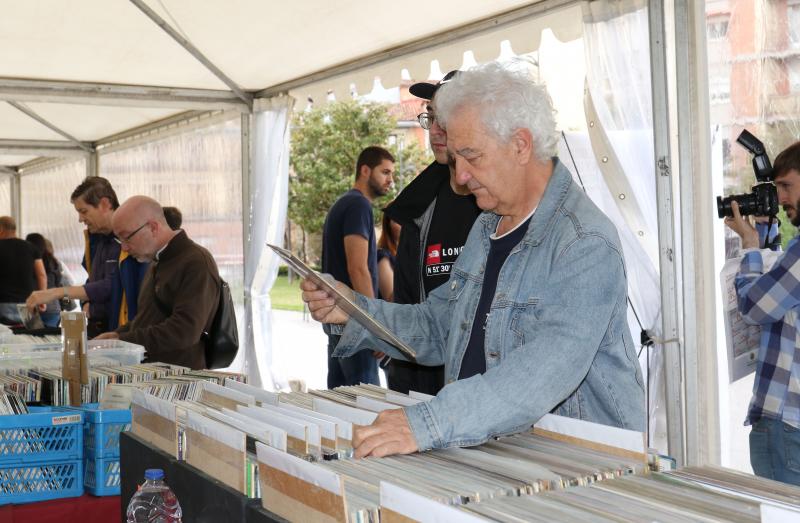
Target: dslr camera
x=763, y=201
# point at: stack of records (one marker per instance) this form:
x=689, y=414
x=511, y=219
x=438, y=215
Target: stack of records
x=12, y=403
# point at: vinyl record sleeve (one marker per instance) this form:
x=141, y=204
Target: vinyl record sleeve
x=344, y=303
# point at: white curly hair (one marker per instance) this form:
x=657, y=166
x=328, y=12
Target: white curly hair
x=507, y=99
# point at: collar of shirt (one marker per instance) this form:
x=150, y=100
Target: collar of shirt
x=158, y=253
x=496, y=236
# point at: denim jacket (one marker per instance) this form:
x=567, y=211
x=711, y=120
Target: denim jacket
x=557, y=339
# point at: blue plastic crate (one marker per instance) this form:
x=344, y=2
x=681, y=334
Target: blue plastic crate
x=102, y=476
x=28, y=482
x=102, y=429
x=46, y=434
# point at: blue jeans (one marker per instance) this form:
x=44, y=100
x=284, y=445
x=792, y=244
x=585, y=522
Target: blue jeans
x=50, y=319
x=9, y=314
x=775, y=450
x=352, y=370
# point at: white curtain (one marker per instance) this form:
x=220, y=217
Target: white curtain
x=619, y=111
x=269, y=196
x=196, y=167
x=5, y=194
x=45, y=208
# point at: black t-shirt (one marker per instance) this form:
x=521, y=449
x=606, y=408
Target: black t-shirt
x=474, y=361
x=17, y=276
x=446, y=236
x=351, y=214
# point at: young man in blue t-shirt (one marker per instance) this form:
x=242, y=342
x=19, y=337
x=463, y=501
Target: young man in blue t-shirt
x=350, y=256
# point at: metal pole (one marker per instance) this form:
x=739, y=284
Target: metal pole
x=247, y=226
x=698, y=320
x=16, y=199
x=670, y=322
x=30, y=113
x=194, y=51
x=92, y=165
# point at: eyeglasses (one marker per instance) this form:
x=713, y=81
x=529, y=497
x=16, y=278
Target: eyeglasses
x=131, y=235
x=426, y=120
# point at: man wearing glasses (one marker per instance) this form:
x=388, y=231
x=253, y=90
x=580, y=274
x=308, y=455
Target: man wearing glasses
x=436, y=214
x=110, y=293
x=180, y=292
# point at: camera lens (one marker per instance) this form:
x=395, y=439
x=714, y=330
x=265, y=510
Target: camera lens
x=723, y=207
x=748, y=204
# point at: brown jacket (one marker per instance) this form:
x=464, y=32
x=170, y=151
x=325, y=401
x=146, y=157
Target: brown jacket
x=186, y=282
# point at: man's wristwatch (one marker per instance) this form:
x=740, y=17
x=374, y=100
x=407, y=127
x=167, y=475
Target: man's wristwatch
x=66, y=294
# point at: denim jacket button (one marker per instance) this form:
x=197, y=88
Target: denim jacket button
x=464, y=325
x=494, y=354
x=453, y=286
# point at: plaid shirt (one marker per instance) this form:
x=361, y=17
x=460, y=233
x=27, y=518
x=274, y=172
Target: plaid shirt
x=772, y=300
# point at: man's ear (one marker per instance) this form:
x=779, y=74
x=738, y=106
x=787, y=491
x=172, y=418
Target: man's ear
x=105, y=204
x=365, y=170
x=522, y=142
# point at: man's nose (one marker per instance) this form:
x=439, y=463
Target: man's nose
x=462, y=172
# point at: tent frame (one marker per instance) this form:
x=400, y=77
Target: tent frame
x=687, y=320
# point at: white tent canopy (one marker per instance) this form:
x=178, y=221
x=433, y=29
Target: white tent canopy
x=95, y=68
x=75, y=76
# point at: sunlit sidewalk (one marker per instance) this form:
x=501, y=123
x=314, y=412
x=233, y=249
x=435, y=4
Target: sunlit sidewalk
x=300, y=350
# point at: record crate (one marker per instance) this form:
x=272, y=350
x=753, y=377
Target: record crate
x=41, y=455
x=101, y=476
x=101, y=430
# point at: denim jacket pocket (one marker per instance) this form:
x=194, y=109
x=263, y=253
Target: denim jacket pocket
x=523, y=320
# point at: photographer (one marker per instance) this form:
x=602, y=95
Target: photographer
x=772, y=300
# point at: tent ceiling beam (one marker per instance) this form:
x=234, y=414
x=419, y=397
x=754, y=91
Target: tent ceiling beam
x=42, y=147
x=32, y=114
x=153, y=127
x=86, y=93
x=450, y=35
x=8, y=170
x=246, y=97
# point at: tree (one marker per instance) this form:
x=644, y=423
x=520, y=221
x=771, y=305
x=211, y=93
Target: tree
x=326, y=142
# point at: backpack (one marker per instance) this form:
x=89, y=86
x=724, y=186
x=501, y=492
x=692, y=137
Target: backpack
x=222, y=339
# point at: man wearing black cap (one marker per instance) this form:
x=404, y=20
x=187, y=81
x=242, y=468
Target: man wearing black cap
x=436, y=215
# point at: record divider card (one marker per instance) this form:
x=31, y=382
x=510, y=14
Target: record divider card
x=298, y=490
x=624, y=443
x=217, y=449
x=74, y=360
x=153, y=424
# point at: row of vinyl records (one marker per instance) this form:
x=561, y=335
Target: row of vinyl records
x=49, y=387
x=294, y=451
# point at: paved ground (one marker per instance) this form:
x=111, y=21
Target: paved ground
x=300, y=349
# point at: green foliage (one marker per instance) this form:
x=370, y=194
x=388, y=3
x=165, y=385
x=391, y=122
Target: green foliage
x=788, y=231
x=326, y=142
x=285, y=296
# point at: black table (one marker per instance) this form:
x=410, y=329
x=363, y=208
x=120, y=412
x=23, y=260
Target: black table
x=202, y=498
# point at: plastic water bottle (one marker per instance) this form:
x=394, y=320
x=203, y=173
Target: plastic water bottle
x=154, y=502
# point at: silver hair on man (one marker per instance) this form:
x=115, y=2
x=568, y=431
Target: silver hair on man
x=507, y=99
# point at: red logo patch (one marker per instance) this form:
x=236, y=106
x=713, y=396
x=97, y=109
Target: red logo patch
x=434, y=254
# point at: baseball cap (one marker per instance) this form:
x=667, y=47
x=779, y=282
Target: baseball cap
x=426, y=90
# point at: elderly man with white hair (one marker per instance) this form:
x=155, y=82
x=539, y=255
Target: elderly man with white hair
x=533, y=318
x=180, y=291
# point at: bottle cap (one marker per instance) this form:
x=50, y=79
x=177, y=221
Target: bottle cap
x=154, y=474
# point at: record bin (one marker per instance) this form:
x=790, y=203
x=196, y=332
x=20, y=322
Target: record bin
x=41, y=455
x=101, y=432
